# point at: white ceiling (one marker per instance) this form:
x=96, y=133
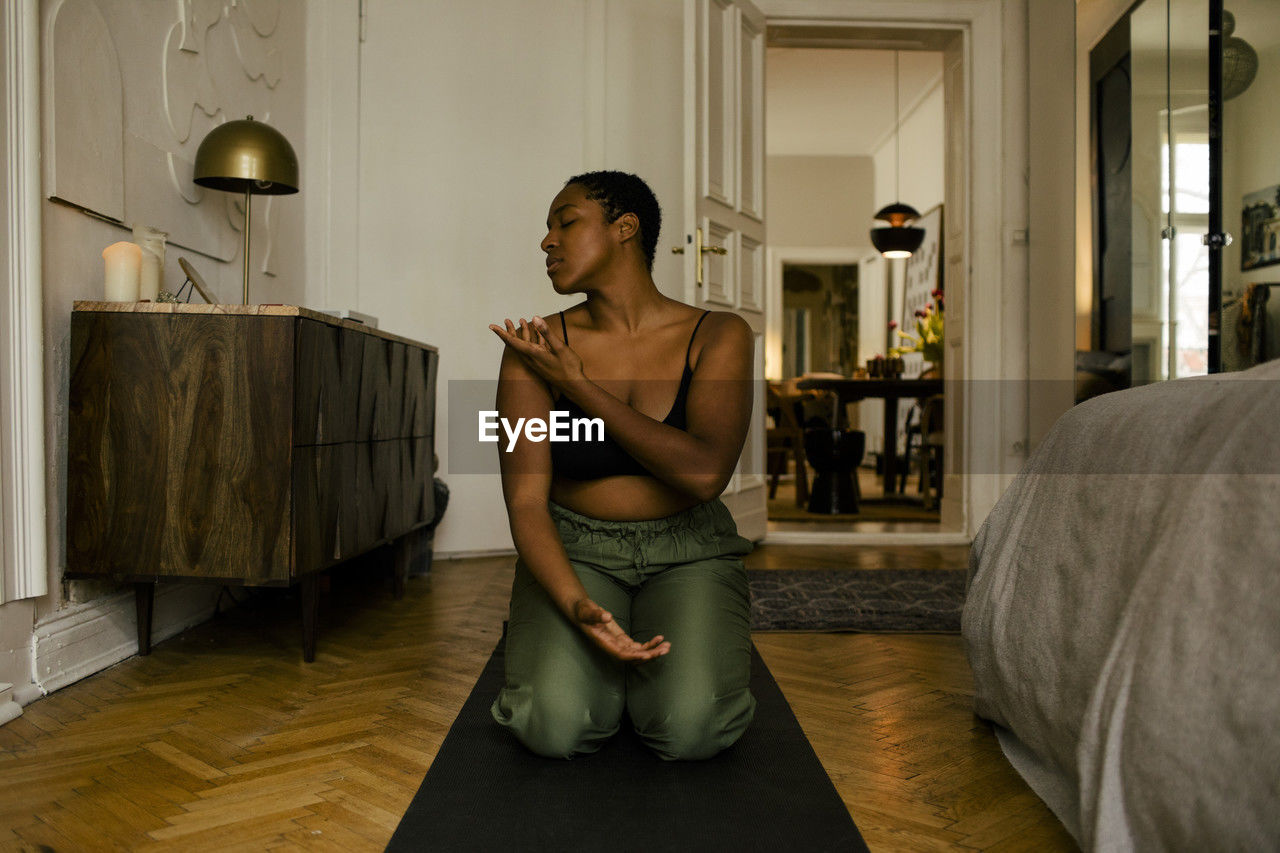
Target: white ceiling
x=839, y=101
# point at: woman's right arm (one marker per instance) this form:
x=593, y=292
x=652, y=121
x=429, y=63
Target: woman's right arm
x=526, y=488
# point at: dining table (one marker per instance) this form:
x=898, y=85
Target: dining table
x=848, y=389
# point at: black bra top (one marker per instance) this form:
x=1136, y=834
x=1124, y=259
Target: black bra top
x=594, y=460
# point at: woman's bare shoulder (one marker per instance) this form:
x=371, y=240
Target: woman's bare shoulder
x=725, y=327
x=573, y=316
x=723, y=338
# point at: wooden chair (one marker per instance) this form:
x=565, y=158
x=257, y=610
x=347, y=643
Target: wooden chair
x=925, y=440
x=785, y=440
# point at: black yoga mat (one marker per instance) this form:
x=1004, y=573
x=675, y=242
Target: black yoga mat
x=485, y=791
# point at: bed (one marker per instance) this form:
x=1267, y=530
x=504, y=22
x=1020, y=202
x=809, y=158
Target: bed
x=1123, y=616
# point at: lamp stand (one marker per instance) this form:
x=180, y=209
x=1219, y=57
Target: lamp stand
x=248, y=195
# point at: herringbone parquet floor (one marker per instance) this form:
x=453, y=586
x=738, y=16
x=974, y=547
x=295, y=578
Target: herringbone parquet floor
x=223, y=739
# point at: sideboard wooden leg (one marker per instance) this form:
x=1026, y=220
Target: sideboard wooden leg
x=144, y=598
x=310, y=606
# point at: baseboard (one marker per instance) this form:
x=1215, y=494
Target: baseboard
x=26, y=694
x=878, y=538
x=465, y=555
x=89, y=638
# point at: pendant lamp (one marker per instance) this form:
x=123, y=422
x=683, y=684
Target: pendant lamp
x=899, y=238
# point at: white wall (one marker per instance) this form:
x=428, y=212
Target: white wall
x=819, y=201
x=457, y=178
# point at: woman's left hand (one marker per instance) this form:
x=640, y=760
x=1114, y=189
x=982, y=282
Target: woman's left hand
x=544, y=353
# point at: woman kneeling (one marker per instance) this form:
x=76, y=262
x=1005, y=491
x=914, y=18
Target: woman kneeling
x=630, y=593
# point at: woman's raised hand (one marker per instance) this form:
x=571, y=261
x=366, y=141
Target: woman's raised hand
x=543, y=352
x=597, y=623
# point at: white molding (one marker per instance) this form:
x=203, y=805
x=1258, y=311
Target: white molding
x=9, y=709
x=467, y=555
x=25, y=694
x=853, y=537
x=88, y=638
x=24, y=560
x=995, y=305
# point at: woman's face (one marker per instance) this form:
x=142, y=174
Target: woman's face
x=579, y=243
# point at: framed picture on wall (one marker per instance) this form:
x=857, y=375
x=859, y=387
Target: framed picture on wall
x=1260, y=229
x=924, y=269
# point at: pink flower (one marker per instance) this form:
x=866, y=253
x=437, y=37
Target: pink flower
x=919, y=313
x=936, y=294
x=893, y=324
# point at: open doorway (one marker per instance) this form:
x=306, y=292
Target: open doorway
x=837, y=150
x=819, y=318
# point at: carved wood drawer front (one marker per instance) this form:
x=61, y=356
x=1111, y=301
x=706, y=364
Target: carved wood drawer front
x=329, y=363
x=245, y=449
x=179, y=447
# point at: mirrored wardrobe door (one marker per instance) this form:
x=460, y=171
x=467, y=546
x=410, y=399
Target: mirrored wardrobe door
x=1250, y=182
x=1171, y=189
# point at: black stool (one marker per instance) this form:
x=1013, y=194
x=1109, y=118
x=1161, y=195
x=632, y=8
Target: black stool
x=835, y=455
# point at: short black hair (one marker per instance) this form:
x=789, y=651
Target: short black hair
x=620, y=192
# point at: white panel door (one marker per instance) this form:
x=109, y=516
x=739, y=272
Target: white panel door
x=724, y=202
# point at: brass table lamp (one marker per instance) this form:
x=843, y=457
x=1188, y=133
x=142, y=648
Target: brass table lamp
x=250, y=157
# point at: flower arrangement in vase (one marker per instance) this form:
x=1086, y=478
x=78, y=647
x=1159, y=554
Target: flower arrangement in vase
x=929, y=331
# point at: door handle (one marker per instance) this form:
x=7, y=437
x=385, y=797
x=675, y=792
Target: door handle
x=701, y=250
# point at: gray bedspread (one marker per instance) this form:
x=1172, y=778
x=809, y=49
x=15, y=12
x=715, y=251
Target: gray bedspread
x=1123, y=616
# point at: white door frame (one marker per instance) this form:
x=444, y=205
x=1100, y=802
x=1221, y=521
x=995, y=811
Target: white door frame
x=24, y=549
x=990, y=320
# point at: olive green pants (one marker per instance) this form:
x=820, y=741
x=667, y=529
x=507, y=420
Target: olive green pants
x=681, y=577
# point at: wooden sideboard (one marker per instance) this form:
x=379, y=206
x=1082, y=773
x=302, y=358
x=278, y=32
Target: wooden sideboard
x=242, y=445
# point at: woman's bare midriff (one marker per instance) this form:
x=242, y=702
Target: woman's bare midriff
x=627, y=498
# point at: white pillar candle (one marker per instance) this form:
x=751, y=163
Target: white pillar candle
x=123, y=271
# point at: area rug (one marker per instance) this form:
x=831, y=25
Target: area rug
x=872, y=600
x=486, y=792
x=873, y=509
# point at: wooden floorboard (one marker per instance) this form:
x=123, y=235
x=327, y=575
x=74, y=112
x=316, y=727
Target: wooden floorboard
x=224, y=739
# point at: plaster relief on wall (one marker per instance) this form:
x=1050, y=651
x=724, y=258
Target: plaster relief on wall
x=256, y=58
x=263, y=14
x=84, y=119
x=159, y=190
x=197, y=16
x=242, y=88
x=218, y=61
x=187, y=85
